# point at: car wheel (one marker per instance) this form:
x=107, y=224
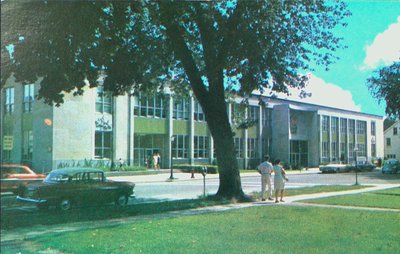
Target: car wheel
x=121, y=200
x=65, y=204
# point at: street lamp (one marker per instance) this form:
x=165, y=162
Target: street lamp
x=356, y=168
x=172, y=173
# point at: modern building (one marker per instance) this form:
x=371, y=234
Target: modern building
x=99, y=128
x=392, y=141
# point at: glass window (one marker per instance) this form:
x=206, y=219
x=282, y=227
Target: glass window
x=388, y=142
x=325, y=123
x=103, y=144
x=198, y=112
x=253, y=113
x=238, y=147
x=343, y=125
x=333, y=151
x=201, y=146
x=103, y=101
x=150, y=106
x=394, y=130
x=351, y=150
x=28, y=145
x=9, y=100
x=28, y=97
x=325, y=149
x=361, y=150
x=251, y=148
x=181, y=109
x=373, y=150
x=351, y=126
x=334, y=123
x=180, y=146
x=373, y=128
x=361, y=125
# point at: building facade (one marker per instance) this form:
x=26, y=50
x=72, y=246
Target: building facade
x=392, y=141
x=97, y=127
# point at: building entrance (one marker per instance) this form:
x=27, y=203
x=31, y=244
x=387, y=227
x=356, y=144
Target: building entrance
x=299, y=153
x=145, y=147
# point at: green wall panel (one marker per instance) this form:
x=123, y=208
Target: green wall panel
x=361, y=139
x=151, y=126
x=181, y=127
x=200, y=129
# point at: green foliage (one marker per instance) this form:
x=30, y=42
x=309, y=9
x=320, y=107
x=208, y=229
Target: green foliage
x=208, y=47
x=384, y=85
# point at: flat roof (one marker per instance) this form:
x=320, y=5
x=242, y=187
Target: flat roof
x=316, y=105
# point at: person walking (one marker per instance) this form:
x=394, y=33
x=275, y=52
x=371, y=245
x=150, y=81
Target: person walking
x=156, y=160
x=265, y=169
x=279, y=184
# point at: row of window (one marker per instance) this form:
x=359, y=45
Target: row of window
x=332, y=152
x=334, y=121
x=28, y=99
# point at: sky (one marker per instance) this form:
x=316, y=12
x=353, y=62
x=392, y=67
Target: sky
x=373, y=40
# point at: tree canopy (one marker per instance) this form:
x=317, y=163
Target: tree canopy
x=209, y=47
x=384, y=85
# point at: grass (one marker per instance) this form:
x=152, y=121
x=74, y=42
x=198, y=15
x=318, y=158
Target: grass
x=314, y=189
x=261, y=229
x=389, y=198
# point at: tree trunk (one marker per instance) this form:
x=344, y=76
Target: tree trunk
x=229, y=175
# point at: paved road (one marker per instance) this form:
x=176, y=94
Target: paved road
x=159, y=187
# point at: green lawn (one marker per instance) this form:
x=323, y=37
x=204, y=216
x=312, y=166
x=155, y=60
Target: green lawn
x=389, y=198
x=315, y=189
x=261, y=229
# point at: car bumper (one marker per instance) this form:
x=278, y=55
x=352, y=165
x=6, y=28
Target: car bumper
x=31, y=200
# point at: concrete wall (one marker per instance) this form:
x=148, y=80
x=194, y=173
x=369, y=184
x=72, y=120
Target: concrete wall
x=280, y=132
x=74, y=128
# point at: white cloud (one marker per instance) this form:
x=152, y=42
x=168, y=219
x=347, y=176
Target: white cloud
x=385, y=49
x=323, y=93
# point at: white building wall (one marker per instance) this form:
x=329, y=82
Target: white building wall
x=74, y=128
x=394, y=148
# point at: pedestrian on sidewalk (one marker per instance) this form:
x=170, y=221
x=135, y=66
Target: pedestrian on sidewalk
x=156, y=160
x=279, y=184
x=265, y=169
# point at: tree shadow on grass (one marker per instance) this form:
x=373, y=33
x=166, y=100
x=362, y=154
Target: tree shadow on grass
x=26, y=218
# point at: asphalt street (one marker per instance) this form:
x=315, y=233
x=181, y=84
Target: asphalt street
x=161, y=187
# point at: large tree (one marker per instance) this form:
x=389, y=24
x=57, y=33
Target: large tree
x=384, y=84
x=209, y=47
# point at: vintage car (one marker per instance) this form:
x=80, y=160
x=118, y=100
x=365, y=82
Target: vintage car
x=15, y=176
x=362, y=166
x=334, y=168
x=68, y=187
x=391, y=166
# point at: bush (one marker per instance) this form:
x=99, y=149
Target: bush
x=211, y=169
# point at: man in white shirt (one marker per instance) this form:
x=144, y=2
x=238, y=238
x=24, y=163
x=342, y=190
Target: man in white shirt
x=265, y=169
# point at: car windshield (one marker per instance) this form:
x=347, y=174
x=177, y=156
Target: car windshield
x=56, y=178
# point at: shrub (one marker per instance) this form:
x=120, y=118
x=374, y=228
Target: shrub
x=211, y=169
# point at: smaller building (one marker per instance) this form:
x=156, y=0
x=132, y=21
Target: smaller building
x=392, y=141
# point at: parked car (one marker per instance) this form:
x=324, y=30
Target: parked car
x=391, y=166
x=15, y=176
x=361, y=167
x=334, y=168
x=65, y=188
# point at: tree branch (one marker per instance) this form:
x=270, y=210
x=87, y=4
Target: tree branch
x=182, y=52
